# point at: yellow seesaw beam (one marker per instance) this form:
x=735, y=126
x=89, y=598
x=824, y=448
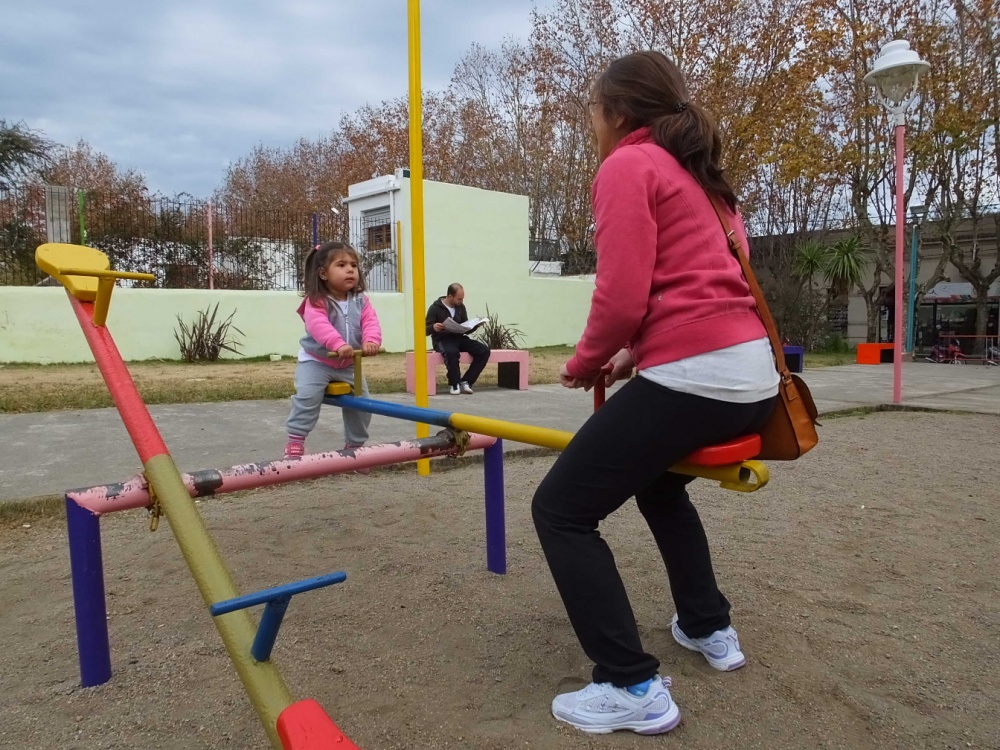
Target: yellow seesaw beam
x=745, y=476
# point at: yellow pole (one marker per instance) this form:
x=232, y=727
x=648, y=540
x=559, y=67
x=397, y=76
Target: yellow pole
x=358, y=374
x=418, y=291
x=266, y=689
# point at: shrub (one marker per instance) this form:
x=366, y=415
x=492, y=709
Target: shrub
x=834, y=343
x=498, y=336
x=206, y=338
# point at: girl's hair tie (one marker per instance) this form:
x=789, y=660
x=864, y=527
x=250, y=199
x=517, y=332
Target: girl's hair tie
x=680, y=107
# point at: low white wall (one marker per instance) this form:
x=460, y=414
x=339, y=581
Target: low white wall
x=476, y=237
x=37, y=324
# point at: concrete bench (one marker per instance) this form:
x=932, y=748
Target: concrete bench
x=512, y=369
x=874, y=354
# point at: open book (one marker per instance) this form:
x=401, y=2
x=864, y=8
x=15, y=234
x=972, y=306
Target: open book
x=450, y=326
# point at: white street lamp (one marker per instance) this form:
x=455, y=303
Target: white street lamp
x=895, y=73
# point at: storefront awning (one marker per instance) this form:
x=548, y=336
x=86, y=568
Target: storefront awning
x=958, y=291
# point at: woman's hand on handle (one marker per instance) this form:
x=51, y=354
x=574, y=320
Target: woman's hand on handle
x=568, y=381
x=619, y=368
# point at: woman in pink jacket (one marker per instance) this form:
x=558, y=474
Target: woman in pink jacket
x=671, y=301
x=339, y=318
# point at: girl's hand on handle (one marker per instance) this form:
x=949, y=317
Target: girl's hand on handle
x=619, y=368
x=346, y=351
x=369, y=349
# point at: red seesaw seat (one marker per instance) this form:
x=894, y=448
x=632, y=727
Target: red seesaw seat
x=731, y=452
x=306, y=726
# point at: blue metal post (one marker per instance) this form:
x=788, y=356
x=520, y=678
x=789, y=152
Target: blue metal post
x=87, y=570
x=910, y=332
x=496, y=535
x=267, y=631
x=315, y=229
x=275, y=601
x=277, y=592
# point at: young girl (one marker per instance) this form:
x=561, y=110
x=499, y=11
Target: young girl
x=339, y=318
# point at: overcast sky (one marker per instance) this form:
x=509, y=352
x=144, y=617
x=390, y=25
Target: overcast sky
x=179, y=91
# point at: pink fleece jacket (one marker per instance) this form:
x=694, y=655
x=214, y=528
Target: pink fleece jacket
x=328, y=330
x=668, y=286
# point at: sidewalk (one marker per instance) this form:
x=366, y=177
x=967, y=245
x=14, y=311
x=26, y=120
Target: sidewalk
x=48, y=453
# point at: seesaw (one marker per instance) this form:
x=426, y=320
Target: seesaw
x=289, y=724
x=86, y=274
x=729, y=463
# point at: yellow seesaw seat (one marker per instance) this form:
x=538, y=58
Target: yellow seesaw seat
x=55, y=258
x=85, y=272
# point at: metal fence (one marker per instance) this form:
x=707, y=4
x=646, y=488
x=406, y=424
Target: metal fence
x=185, y=244
x=22, y=229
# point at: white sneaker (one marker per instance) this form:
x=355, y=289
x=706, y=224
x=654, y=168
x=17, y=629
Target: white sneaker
x=721, y=648
x=465, y=387
x=454, y=390
x=602, y=708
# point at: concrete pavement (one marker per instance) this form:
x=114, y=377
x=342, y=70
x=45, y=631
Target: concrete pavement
x=48, y=453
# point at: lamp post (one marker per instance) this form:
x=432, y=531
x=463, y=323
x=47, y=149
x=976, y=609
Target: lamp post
x=895, y=73
x=918, y=213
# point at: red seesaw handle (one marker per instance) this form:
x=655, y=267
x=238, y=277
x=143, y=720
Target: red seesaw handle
x=599, y=393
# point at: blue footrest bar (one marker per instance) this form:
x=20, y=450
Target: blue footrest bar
x=276, y=601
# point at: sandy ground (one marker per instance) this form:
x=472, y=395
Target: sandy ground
x=863, y=579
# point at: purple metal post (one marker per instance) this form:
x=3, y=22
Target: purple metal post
x=496, y=535
x=87, y=571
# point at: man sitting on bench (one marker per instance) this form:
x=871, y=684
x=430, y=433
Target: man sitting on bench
x=451, y=345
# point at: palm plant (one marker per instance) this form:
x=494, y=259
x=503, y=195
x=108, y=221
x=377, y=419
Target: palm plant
x=809, y=263
x=845, y=266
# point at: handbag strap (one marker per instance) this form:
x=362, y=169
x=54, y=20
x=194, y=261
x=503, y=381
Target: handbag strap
x=758, y=295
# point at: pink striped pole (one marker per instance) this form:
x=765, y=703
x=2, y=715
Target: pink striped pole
x=897, y=336
x=134, y=492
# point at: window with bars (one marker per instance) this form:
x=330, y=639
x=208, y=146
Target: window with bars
x=379, y=236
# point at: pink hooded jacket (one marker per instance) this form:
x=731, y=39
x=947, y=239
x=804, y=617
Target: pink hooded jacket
x=328, y=329
x=668, y=287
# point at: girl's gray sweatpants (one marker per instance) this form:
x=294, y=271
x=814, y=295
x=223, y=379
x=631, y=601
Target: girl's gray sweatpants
x=311, y=380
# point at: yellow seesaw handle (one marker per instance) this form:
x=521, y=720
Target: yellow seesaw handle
x=358, y=354
x=85, y=272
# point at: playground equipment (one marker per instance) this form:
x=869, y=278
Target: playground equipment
x=730, y=463
x=161, y=487
x=89, y=282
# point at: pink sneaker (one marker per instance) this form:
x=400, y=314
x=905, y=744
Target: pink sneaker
x=295, y=449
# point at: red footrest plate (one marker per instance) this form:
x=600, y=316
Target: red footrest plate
x=731, y=452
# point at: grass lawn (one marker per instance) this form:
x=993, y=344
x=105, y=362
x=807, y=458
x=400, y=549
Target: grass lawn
x=35, y=388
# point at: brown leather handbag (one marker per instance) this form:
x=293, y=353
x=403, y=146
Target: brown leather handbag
x=791, y=430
